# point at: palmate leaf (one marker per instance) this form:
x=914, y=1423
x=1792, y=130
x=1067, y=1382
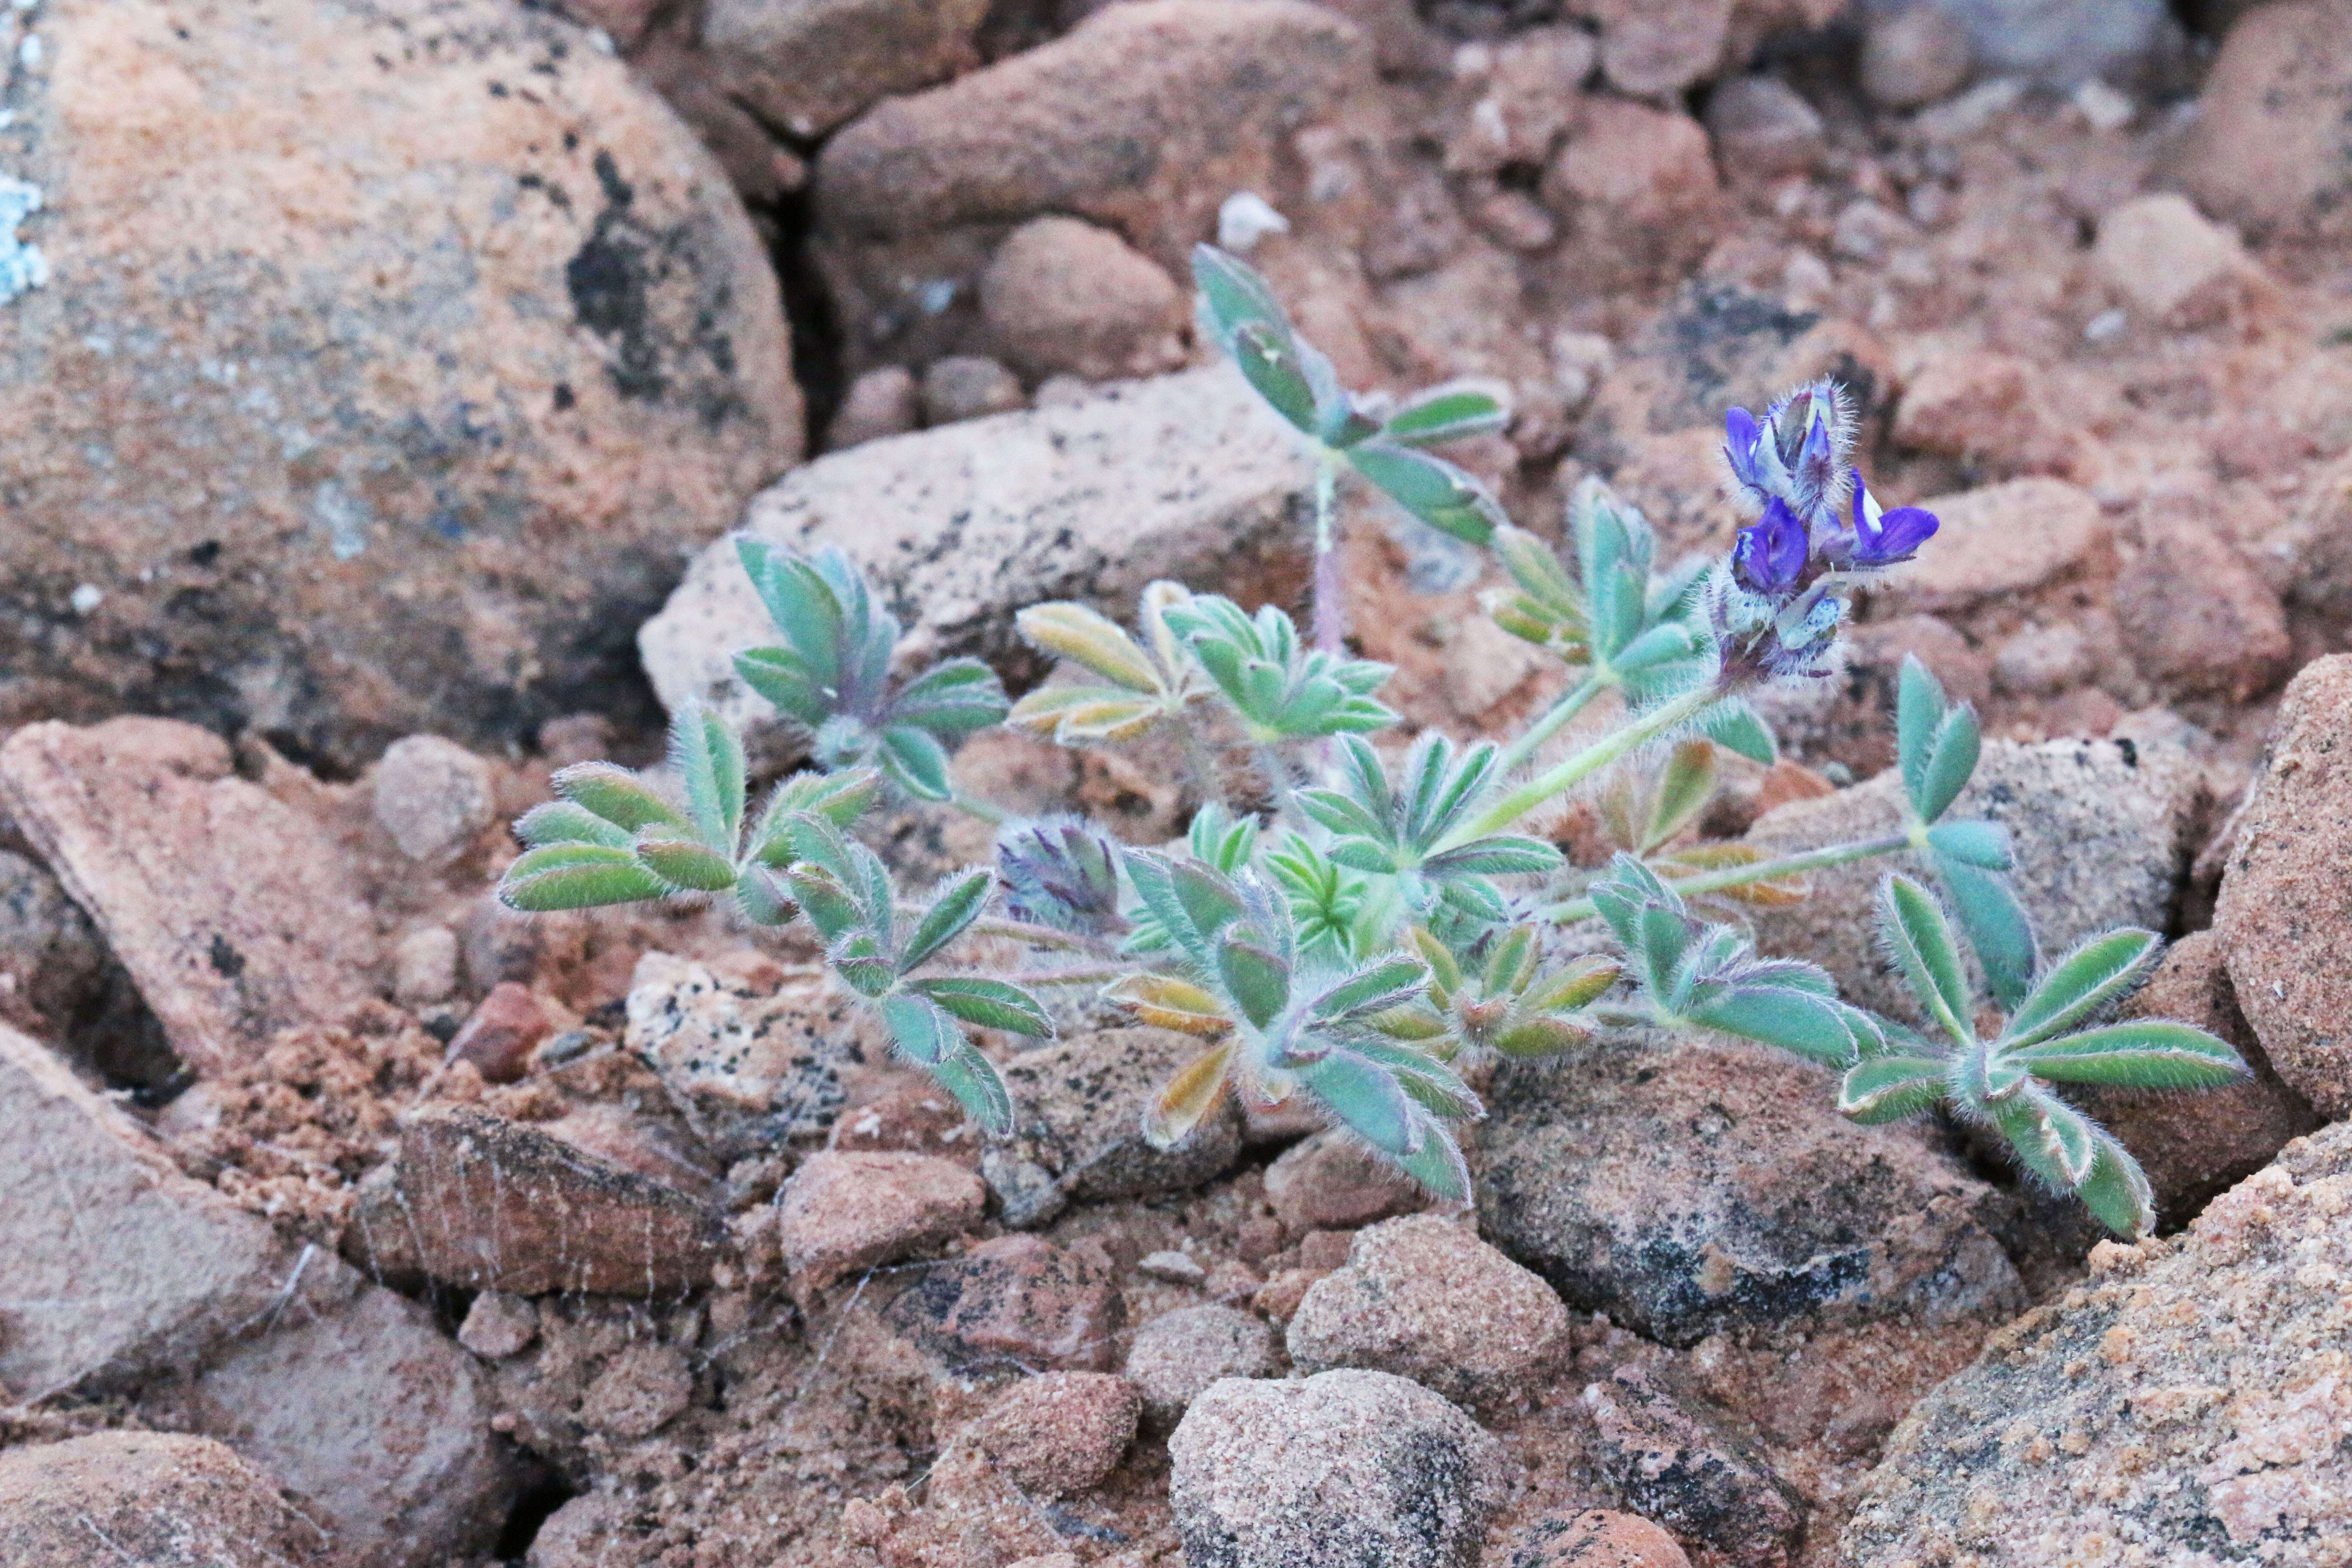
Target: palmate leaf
x=838, y=798
x=2142, y=1054
x=575, y=877
x=2087, y=979
x=862, y=965
x=1092, y=641
x=1078, y=715
x=797, y=689
x=989, y=1003
x=708, y=758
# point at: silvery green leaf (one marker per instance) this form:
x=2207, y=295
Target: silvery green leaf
x=978, y=1087
x=1984, y=845
x=1918, y=712
x=1386, y=983
x=1912, y=925
x=1995, y=926
x=1232, y=295
x=1891, y=1088
x=959, y=901
x=614, y=793
x=1444, y=413
x=1431, y=489
x=1257, y=981
x=991, y=1003
x=1273, y=364
x=1437, y=1163
x=2146, y=1053
x=920, y=1027
x=838, y=798
x=1366, y=1098
x=684, y=862
x=953, y=697
x=1811, y=1026
x=1497, y=855
x=2087, y=979
x=575, y=877
x=709, y=763
x=1952, y=759
x=2117, y=1192
x=787, y=679
x=916, y=762
x=561, y=822
x=1093, y=641
x=860, y=962
x=1736, y=728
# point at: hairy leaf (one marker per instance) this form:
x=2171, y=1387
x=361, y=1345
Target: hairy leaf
x=1172, y=1004
x=1995, y=926
x=2117, y=1191
x=575, y=877
x=2143, y=1053
x=1257, y=981
x=978, y=1087
x=1188, y=1097
x=616, y=795
x=921, y=1027
x=1431, y=489
x=684, y=862
x=1365, y=1097
x=1890, y=1088
x=1095, y=641
x=2086, y=980
x=1444, y=413
x=959, y=903
x=991, y=1003
x=561, y=822
x=1913, y=925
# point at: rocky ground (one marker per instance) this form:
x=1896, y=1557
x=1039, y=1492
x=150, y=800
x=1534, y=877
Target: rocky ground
x=378, y=378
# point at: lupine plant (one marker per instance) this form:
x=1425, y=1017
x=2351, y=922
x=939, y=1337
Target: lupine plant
x=1364, y=926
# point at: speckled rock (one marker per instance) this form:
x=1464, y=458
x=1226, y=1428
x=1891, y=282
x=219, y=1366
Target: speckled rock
x=2266, y=149
x=2005, y=539
x=433, y=796
x=2285, y=912
x=1179, y=1354
x=1331, y=1181
x=189, y=871
x=1186, y=477
x=2194, y=1145
x=1343, y=1467
x=2185, y=1404
x=1635, y=191
x=384, y=354
x=1597, y=1538
x=748, y=1063
x=843, y=1212
x=2100, y=829
x=2197, y=619
x=1690, y=1466
x=156, y=1499
x=1686, y=1187
x=1077, y=1131
x=1064, y=297
x=1061, y=1431
x=1424, y=1297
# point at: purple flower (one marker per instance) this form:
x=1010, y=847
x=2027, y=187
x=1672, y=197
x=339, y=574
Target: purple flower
x=1770, y=553
x=1741, y=449
x=1883, y=539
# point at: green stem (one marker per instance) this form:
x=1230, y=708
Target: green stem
x=1571, y=702
x=1202, y=763
x=971, y=806
x=1034, y=935
x=1565, y=775
x=1756, y=871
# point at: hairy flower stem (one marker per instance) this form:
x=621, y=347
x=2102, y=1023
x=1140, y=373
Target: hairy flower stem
x=1277, y=768
x=1746, y=875
x=1571, y=702
x=1643, y=728
x=1202, y=763
x=1092, y=975
x=1330, y=594
x=1034, y=935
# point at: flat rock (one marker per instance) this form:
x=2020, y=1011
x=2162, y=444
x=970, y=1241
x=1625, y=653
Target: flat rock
x=233, y=913
x=842, y=1212
x=2100, y=829
x=2285, y=911
x=2185, y=1404
x=1687, y=1188
x=1186, y=477
x=485, y=1204
x=383, y=356
x=2009, y=538
x=1077, y=1128
x=1424, y=1297
x=126, y=1277
x=1343, y=1467
x=1178, y=1355
x=148, y=1499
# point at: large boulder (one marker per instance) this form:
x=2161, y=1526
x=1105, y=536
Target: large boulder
x=2285, y=910
x=1188, y=477
x=125, y=1276
x=1687, y=1188
x=391, y=357
x=2267, y=148
x=2186, y=1404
